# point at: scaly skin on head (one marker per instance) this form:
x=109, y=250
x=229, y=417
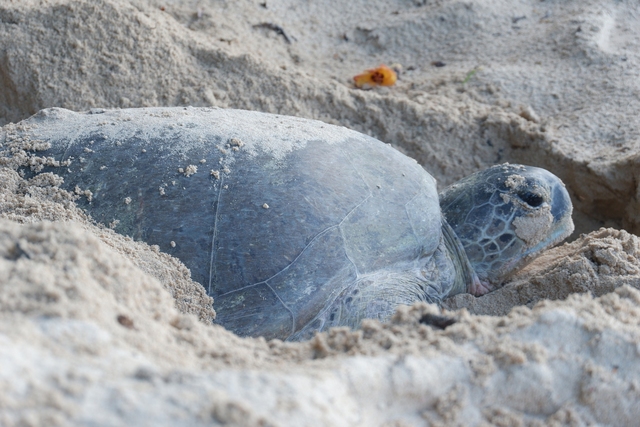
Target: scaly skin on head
x=504, y=216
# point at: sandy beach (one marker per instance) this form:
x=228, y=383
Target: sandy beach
x=98, y=329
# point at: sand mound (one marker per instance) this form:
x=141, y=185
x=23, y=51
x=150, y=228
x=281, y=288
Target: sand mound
x=89, y=338
x=596, y=264
x=90, y=333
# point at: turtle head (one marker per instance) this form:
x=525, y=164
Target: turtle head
x=504, y=216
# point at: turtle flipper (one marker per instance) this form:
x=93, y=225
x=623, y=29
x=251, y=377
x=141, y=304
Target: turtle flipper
x=377, y=295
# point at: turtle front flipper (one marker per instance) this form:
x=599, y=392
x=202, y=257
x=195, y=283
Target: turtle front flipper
x=378, y=294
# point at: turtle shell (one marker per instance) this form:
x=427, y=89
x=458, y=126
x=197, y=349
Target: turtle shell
x=275, y=216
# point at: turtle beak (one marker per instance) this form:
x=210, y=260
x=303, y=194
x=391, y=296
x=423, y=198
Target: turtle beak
x=561, y=210
x=561, y=207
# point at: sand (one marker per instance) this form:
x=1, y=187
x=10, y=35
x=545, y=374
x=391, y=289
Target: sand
x=96, y=329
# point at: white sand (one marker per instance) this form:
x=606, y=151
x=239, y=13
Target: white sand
x=90, y=333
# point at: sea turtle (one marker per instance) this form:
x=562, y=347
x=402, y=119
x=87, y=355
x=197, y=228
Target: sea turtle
x=294, y=225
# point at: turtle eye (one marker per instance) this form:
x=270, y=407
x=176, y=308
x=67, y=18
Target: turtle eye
x=532, y=199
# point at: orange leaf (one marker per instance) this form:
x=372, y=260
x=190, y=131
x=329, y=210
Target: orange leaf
x=381, y=76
